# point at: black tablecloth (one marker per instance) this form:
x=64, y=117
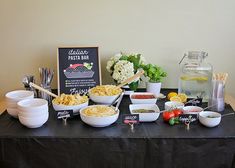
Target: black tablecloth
x=155, y=144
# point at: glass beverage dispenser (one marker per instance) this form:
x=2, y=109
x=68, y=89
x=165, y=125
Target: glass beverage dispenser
x=196, y=75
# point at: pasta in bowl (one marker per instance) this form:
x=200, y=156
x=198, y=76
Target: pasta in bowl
x=70, y=102
x=104, y=94
x=99, y=115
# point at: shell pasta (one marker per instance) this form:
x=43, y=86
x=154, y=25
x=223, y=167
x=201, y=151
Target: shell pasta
x=105, y=90
x=99, y=111
x=70, y=100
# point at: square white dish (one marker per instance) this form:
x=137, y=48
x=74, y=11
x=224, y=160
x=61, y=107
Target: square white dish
x=145, y=117
x=143, y=101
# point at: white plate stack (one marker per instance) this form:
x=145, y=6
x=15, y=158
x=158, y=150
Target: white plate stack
x=33, y=113
x=12, y=98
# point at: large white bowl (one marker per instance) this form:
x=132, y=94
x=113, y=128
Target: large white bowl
x=145, y=117
x=209, y=122
x=143, y=101
x=33, y=122
x=173, y=104
x=15, y=96
x=102, y=99
x=98, y=121
x=75, y=108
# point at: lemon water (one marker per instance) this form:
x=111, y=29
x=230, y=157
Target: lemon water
x=196, y=85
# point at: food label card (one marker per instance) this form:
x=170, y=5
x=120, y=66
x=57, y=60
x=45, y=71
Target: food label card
x=194, y=102
x=188, y=117
x=78, y=69
x=64, y=114
x=130, y=118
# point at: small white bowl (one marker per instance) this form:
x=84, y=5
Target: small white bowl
x=208, y=121
x=75, y=108
x=146, y=117
x=143, y=101
x=32, y=113
x=102, y=99
x=33, y=122
x=35, y=105
x=15, y=96
x=13, y=112
x=32, y=107
x=173, y=104
x=98, y=121
x=18, y=95
x=192, y=110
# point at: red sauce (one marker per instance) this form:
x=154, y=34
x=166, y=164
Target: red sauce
x=193, y=110
x=142, y=97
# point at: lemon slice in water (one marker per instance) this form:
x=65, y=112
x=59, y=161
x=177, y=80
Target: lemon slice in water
x=194, y=78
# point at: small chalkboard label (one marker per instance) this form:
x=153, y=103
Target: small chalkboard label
x=78, y=69
x=64, y=114
x=130, y=119
x=188, y=117
x=194, y=102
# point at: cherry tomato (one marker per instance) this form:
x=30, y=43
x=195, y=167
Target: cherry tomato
x=168, y=115
x=177, y=112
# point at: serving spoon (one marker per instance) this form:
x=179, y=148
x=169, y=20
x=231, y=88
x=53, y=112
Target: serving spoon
x=42, y=89
x=131, y=79
x=227, y=114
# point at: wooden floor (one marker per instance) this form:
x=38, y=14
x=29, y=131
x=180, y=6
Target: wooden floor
x=228, y=99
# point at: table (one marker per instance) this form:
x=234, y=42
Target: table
x=154, y=144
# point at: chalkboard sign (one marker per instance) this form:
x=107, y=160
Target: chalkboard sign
x=130, y=119
x=194, y=102
x=64, y=114
x=188, y=117
x=78, y=69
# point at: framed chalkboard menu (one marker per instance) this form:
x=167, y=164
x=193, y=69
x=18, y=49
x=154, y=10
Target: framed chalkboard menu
x=78, y=69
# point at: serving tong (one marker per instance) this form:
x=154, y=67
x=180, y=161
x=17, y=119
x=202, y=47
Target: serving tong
x=117, y=101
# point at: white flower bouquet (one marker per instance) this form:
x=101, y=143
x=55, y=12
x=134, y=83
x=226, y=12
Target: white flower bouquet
x=122, y=66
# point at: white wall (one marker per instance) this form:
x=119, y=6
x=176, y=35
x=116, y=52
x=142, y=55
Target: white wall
x=162, y=30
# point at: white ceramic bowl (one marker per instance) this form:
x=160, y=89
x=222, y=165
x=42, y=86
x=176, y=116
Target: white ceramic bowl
x=98, y=121
x=102, y=99
x=192, y=110
x=18, y=95
x=13, y=112
x=211, y=121
x=75, y=108
x=33, y=122
x=143, y=101
x=173, y=104
x=146, y=117
x=32, y=113
x=15, y=96
x=35, y=105
x=32, y=107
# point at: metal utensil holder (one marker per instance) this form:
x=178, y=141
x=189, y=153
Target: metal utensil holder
x=44, y=95
x=46, y=76
x=26, y=80
x=217, y=99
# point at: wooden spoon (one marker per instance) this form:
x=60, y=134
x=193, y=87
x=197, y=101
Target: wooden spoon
x=42, y=89
x=131, y=78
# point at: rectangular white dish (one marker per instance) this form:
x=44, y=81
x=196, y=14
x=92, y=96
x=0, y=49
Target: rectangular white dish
x=143, y=101
x=146, y=117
